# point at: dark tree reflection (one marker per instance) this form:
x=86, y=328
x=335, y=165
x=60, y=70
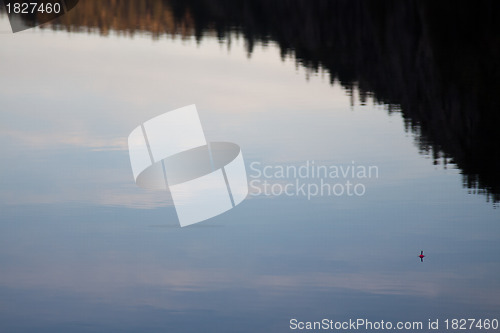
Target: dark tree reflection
x=436, y=62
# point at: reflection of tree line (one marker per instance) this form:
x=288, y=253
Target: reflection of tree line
x=438, y=62
x=126, y=17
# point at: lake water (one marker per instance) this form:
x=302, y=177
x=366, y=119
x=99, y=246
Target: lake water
x=83, y=249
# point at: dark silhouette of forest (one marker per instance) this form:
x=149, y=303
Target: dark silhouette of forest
x=435, y=62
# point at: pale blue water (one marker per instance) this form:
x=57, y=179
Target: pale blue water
x=82, y=249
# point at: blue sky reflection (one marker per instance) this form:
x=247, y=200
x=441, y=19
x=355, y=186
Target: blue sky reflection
x=83, y=249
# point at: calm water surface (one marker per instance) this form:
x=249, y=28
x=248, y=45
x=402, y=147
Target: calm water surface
x=82, y=249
